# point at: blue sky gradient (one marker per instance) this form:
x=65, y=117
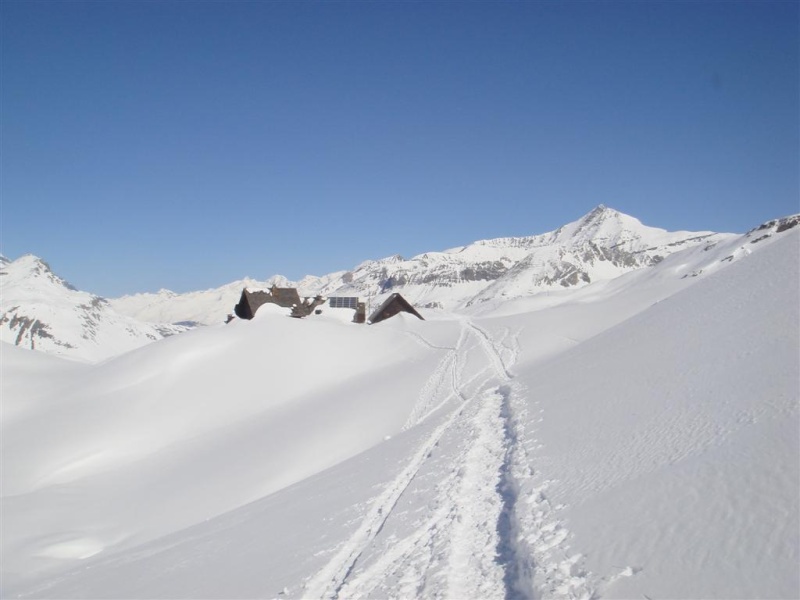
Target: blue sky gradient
x=188, y=144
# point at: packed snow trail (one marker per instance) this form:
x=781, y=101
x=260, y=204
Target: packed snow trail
x=490, y=531
x=329, y=581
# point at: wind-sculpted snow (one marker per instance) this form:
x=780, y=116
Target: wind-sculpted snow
x=142, y=444
x=634, y=438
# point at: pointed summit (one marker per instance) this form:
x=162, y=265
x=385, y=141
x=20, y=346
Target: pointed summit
x=596, y=213
x=35, y=268
x=33, y=263
x=600, y=208
x=41, y=311
x=599, y=212
x=602, y=223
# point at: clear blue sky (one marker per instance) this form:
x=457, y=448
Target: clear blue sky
x=188, y=144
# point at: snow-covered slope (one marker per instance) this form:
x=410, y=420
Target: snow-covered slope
x=143, y=445
x=638, y=439
x=599, y=246
x=675, y=451
x=41, y=311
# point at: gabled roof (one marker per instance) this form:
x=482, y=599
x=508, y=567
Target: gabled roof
x=394, y=304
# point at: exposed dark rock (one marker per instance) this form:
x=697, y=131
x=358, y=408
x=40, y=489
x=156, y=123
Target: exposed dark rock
x=779, y=225
x=787, y=223
x=760, y=238
x=31, y=329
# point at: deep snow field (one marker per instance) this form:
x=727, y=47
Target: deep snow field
x=635, y=438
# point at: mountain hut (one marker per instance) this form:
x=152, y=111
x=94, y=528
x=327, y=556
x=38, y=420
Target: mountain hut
x=251, y=301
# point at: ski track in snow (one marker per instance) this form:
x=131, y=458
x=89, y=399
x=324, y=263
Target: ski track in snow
x=492, y=532
x=329, y=581
x=441, y=386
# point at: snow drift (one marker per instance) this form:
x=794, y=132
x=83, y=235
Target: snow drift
x=636, y=437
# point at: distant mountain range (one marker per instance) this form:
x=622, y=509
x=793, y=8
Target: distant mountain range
x=41, y=311
x=601, y=245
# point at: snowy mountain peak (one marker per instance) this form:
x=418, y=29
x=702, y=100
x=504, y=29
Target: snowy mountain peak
x=41, y=311
x=605, y=225
x=602, y=213
x=599, y=212
x=32, y=263
x=31, y=266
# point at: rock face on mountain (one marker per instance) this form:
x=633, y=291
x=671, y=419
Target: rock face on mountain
x=41, y=311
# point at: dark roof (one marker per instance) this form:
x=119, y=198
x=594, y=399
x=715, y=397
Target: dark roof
x=394, y=304
x=251, y=301
x=286, y=297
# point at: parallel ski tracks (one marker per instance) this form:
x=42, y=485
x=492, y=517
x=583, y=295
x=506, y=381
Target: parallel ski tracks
x=493, y=529
x=329, y=581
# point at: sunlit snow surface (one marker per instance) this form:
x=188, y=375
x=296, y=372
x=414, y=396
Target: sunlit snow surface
x=637, y=438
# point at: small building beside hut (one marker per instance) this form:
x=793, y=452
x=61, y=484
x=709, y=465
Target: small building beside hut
x=394, y=304
x=352, y=302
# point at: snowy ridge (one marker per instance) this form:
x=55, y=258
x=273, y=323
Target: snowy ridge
x=41, y=311
x=601, y=245
x=597, y=247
